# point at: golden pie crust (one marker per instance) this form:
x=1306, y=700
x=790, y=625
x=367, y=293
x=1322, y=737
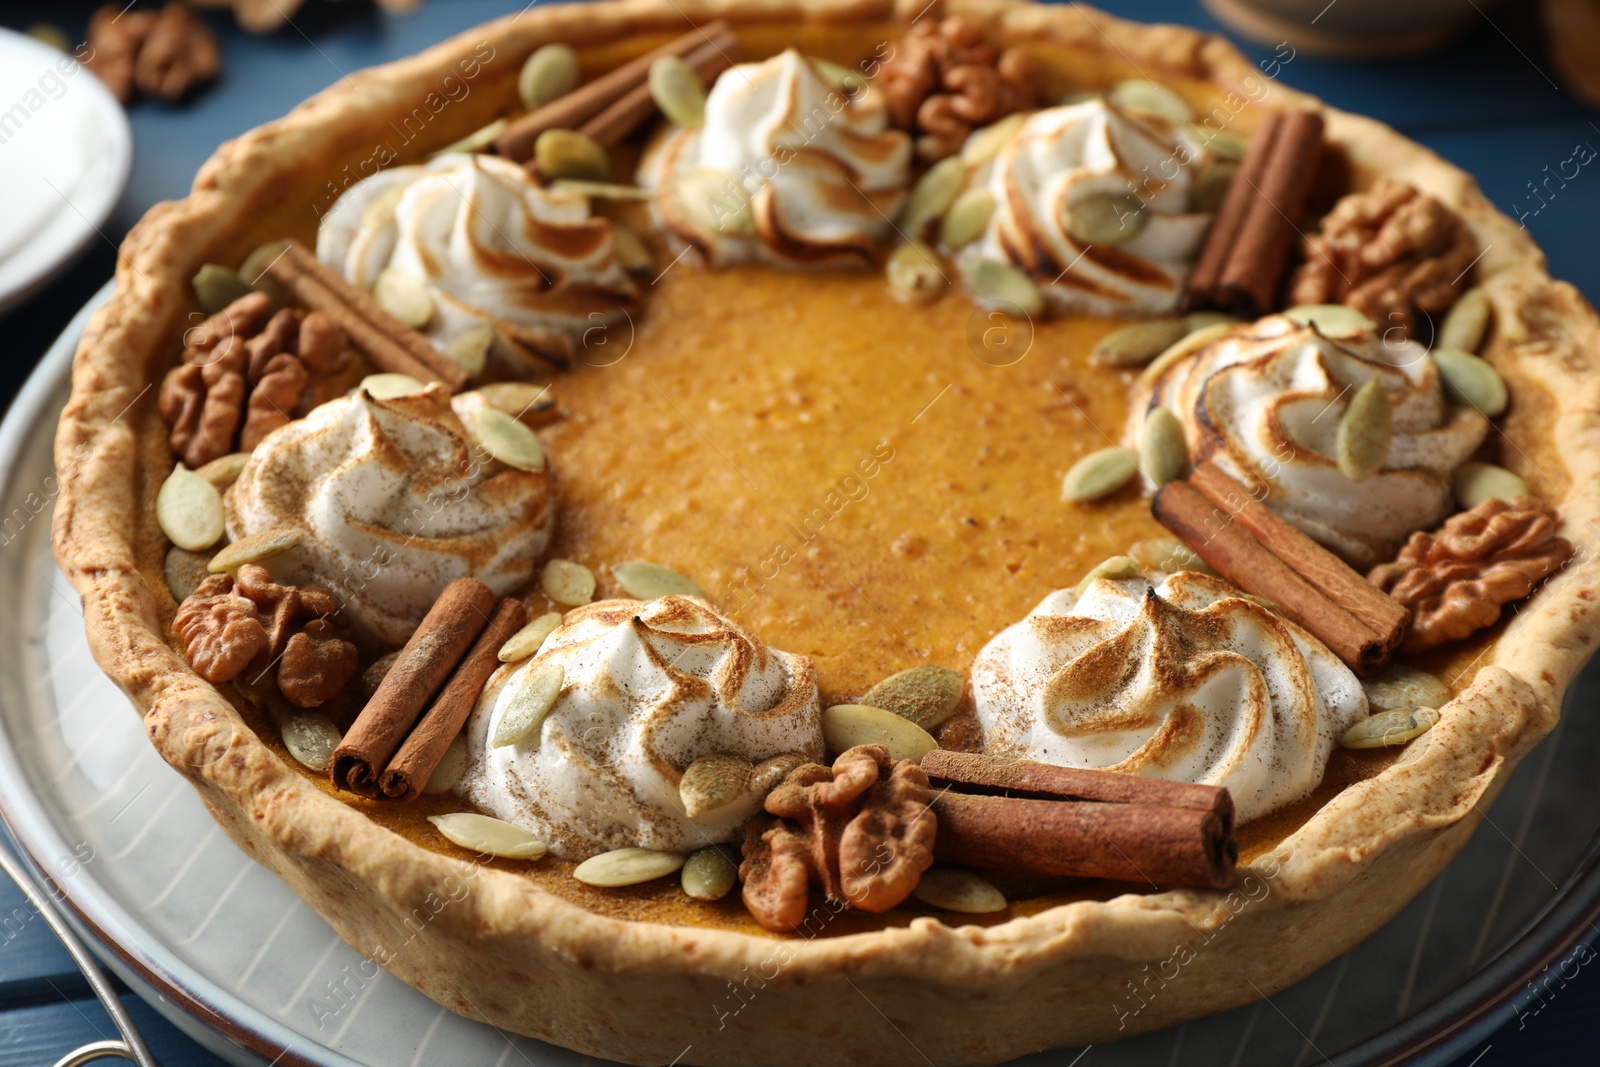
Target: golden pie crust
x=522, y=958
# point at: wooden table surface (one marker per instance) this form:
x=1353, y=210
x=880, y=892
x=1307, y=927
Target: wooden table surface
x=1489, y=103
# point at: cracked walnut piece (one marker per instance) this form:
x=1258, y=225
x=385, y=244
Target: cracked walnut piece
x=159, y=53
x=946, y=78
x=1394, y=253
x=861, y=828
x=247, y=624
x=1456, y=579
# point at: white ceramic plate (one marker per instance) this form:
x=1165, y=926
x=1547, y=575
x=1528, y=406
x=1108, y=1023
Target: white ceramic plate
x=65, y=153
x=223, y=948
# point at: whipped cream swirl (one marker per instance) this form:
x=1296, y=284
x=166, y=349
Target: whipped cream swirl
x=650, y=686
x=1186, y=681
x=1265, y=402
x=394, y=502
x=1064, y=155
x=492, y=247
x=789, y=169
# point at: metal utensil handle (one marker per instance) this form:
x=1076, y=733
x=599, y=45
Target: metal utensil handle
x=132, y=1046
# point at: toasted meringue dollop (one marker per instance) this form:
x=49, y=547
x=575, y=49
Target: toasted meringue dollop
x=1186, y=681
x=789, y=169
x=1064, y=155
x=649, y=687
x=491, y=245
x=395, y=501
x=1265, y=403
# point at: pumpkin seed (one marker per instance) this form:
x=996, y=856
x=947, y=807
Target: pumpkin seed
x=404, y=295
x=224, y=470
x=1389, y=728
x=926, y=695
x=932, y=196
x=1334, y=321
x=648, y=581
x=184, y=571
x=992, y=280
x=716, y=200
x=525, y=714
x=452, y=765
x=550, y=73
x=476, y=141
x=482, y=833
x=838, y=75
x=507, y=440
x=570, y=154
x=310, y=737
x=1115, y=568
x=953, y=889
x=710, y=873
x=627, y=866
x=1163, y=447
x=1404, y=687
x=567, y=583
x=713, y=782
x=48, y=33
x=1188, y=346
x=390, y=386
x=1474, y=483
x=967, y=218
x=375, y=673
x=1199, y=320
x=844, y=726
x=1224, y=144
x=985, y=143
x=602, y=190
x=1467, y=322
x=1138, y=344
x=1365, y=431
x=914, y=274
x=1105, y=220
x=1168, y=555
x=470, y=350
x=1099, y=474
x=254, y=271
x=522, y=400
x=677, y=91
x=255, y=548
x=215, y=287
x=632, y=252
x=189, y=510
x=1153, y=98
x=1470, y=380
x=1083, y=96
x=528, y=640
x=1211, y=186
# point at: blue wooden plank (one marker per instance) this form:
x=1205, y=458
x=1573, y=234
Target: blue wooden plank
x=41, y=1035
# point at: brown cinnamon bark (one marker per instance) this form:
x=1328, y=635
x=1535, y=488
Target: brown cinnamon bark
x=419, y=756
x=635, y=106
x=1225, y=225
x=450, y=626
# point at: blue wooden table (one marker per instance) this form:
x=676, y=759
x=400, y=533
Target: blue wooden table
x=1490, y=103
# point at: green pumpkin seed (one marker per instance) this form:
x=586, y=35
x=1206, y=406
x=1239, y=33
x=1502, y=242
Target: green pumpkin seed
x=550, y=73
x=184, y=571
x=1211, y=186
x=1389, y=728
x=1105, y=220
x=602, y=190
x=926, y=695
x=224, y=470
x=470, y=350
x=967, y=218
x=1163, y=447
x=48, y=33
x=215, y=287
x=1365, y=432
x=914, y=274
x=1098, y=475
x=1334, y=321
x=1152, y=98
x=567, y=583
x=1224, y=144
x=992, y=280
x=716, y=201
x=507, y=440
x=1138, y=344
x=255, y=548
x=677, y=91
x=528, y=640
x=404, y=294
x=375, y=673
x=1476, y=482
x=389, y=386
x=476, y=141
x=1168, y=555
x=1469, y=380
x=1192, y=342
x=1116, y=569
x=1397, y=686
x=710, y=873
x=189, y=510
x=525, y=714
x=627, y=866
x=713, y=782
x=310, y=737
x=484, y=834
x=452, y=766
x=632, y=252
x=1083, y=96
x=1199, y=320
x=838, y=75
x=570, y=154
x=985, y=143
x=1467, y=322
x=844, y=726
x=650, y=581
x=953, y=889
x=932, y=196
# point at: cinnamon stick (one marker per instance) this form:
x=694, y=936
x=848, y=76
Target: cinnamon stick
x=1206, y=277
x=635, y=106
x=450, y=626
x=419, y=756
x=585, y=102
x=389, y=343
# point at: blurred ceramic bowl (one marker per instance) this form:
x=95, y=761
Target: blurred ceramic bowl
x=1351, y=28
